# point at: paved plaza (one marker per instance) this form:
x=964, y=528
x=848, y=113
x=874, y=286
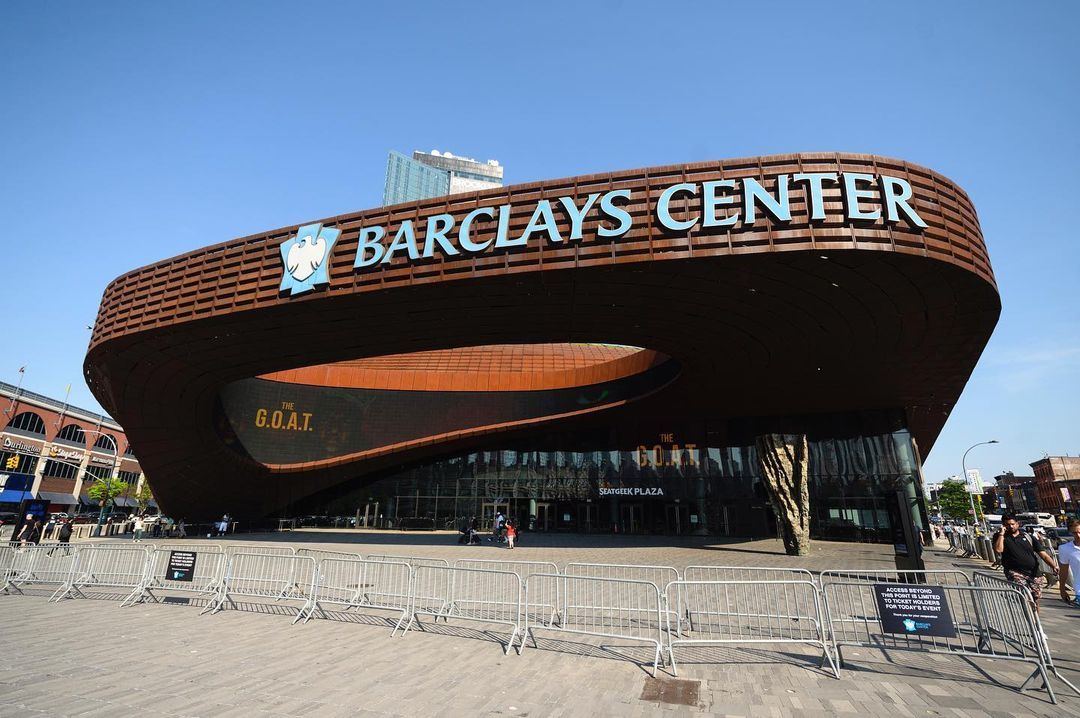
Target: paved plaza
x=92, y=658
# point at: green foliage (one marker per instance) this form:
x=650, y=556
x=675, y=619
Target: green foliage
x=144, y=496
x=954, y=501
x=106, y=489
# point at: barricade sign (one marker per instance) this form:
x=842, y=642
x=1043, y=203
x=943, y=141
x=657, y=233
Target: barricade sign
x=181, y=566
x=207, y=572
x=914, y=609
x=725, y=612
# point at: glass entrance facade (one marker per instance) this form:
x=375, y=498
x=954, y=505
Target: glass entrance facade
x=665, y=486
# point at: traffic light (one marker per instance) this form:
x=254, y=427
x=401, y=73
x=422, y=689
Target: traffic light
x=12, y=462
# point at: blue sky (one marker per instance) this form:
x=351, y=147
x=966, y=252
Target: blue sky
x=132, y=132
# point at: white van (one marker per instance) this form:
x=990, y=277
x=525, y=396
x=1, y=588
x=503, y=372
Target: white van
x=1042, y=519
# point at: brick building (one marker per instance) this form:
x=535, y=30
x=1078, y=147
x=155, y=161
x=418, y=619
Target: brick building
x=1057, y=482
x=52, y=450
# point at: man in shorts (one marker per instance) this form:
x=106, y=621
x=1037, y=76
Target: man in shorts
x=1020, y=558
x=1069, y=564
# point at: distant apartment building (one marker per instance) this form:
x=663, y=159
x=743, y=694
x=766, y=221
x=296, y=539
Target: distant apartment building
x=1019, y=492
x=1057, y=483
x=436, y=174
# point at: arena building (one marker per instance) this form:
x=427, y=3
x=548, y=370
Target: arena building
x=595, y=353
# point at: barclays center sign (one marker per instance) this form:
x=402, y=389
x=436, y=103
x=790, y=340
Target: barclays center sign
x=723, y=204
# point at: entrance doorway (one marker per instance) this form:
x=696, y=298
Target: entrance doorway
x=545, y=516
x=632, y=518
x=587, y=518
x=488, y=511
x=676, y=519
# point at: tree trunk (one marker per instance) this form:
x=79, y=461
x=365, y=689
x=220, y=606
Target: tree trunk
x=784, y=461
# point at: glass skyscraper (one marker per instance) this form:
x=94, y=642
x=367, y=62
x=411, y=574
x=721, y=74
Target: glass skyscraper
x=436, y=174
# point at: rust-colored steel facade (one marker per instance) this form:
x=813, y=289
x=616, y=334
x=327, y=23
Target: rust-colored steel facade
x=772, y=323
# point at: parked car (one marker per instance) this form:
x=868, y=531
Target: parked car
x=117, y=516
x=60, y=515
x=8, y=517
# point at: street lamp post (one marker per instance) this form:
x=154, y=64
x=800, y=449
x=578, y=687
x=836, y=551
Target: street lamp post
x=967, y=481
x=108, y=479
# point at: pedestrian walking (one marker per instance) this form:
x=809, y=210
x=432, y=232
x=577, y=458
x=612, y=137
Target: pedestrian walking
x=63, y=536
x=181, y=529
x=140, y=526
x=949, y=535
x=1069, y=564
x=1020, y=558
x=49, y=527
x=511, y=533
x=30, y=531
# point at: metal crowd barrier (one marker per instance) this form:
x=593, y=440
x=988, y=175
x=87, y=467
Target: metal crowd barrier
x=320, y=554
x=748, y=611
x=937, y=577
x=467, y=593
x=992, y=623
x=523, y=569
x=38, y=565
x=262, y=550
x=999, y=621
x=659, y=576
x=207, y=576
x=595, y=606
x=268, y=576
x=414, y=561
x=355, y=583
x=746, y=573
x=100, y=567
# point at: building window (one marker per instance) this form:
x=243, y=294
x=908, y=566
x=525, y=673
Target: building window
x=73, y=434
x=106, y=443
x=98, y=472
x=29, y=423
x=129, y=477
x=60, y=470
x=129, y=452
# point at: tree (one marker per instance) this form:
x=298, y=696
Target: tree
x=105, y=490
x=784, y=461
x=144, y=496
x=954, y=501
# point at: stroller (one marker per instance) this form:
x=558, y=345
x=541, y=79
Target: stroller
x=469, y=535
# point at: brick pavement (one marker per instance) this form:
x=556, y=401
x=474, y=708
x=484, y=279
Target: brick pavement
x=165, y=659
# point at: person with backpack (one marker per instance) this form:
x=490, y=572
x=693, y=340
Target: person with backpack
x=63, y=536
x=1020, y=558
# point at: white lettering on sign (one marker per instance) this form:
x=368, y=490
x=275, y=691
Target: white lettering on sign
x=631, y=491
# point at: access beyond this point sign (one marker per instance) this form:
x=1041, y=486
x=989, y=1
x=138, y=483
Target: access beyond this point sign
x=914, y=610
x=181, y=566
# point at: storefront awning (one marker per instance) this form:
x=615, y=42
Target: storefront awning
x=14, y=496
x=56, y=498
x=125, y=502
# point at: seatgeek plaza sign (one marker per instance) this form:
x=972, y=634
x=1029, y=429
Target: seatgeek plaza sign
x=719, y=204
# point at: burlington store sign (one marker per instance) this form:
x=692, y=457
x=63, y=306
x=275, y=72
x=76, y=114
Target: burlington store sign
x=723, y=204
